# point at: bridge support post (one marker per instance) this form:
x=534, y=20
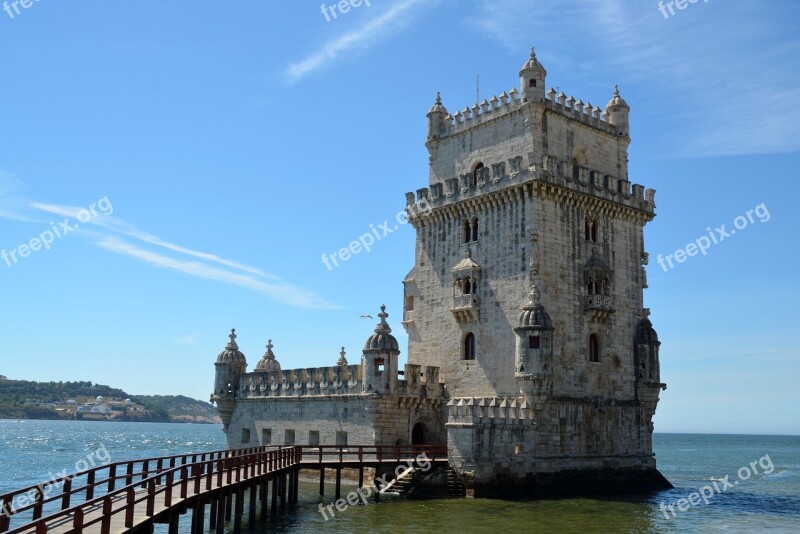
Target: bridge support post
x=296, y=496
x=220, y=528
x=264, y=498
x=174, y=522
x=228, y=504
x=283, y=490
x=322, y=481
x=361, y=475
x=251, y=511
x=212, y=513
x=338, y=482
x=198, y=517
x=237, y=518
x=275, y=494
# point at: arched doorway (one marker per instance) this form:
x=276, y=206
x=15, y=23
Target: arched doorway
x=418, y=434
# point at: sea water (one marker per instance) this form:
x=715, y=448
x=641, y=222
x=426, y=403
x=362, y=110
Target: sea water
x=723, y=483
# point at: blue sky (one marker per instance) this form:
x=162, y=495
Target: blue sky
x=232, y=144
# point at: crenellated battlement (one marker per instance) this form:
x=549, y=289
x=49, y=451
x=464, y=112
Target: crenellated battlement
x=419, y=381
x=334, y=380
x=587, y=114
x=474, y=410
x=415, y=380
x=504, y=178
x=509, y=102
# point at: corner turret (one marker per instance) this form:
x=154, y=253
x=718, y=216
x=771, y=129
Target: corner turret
x=231, y=365
x=534, y=351
x=617, y=112
x=379, y=358
x=438, y=120
x=532, y=79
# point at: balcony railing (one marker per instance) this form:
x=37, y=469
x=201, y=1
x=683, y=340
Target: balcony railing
x=466, y=308
x=599, y=306
x=599, y=302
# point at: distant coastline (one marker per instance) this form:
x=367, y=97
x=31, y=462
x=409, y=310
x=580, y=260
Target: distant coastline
x=86, y=401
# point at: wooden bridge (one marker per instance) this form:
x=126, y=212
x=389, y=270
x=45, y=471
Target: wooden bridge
x=133, y=496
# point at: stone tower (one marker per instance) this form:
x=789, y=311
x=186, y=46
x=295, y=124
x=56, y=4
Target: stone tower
x=530, y=189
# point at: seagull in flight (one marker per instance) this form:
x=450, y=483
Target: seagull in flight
x=366, y=317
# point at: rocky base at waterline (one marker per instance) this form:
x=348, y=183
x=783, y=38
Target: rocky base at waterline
x=573, y=484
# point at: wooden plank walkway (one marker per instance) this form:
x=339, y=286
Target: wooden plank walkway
x=161, y=490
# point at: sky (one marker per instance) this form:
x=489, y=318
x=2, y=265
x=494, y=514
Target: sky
x=205, y=155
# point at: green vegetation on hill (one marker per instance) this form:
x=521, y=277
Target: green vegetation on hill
x=23, y=399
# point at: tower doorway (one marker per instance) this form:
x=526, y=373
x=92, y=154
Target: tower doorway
x=418, y=434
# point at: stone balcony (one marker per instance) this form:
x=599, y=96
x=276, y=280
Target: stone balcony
x=600, y=306
x=466, y=308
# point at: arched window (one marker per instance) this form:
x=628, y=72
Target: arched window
x=475, y=229
x=466, y=288
x=534, y=342
x=469, y=346
x=594, y=231
x=475, y=172
x=466, y=231
x=594, y=349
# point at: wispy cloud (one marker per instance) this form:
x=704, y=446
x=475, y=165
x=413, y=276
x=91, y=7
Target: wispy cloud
x=718, y=76
x=279, y=291
x=383, y=25
x=119, y=226
x=110, y=234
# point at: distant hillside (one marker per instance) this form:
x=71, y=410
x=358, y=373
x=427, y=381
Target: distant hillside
x=23, y=399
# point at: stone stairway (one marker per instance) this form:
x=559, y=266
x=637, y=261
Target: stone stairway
x=442, y=481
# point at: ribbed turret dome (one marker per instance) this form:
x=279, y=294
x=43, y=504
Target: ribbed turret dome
x=268, y=362
x=617, y=101
x=645, y=333
x=533, y=314
x=231, y=354
x=382, y=339
x=438, y=107
x=533, y=63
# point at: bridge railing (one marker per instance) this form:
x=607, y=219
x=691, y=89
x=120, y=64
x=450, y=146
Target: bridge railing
x=33, y=502
x=329, y=454
x=175, y=482
x=142, y=481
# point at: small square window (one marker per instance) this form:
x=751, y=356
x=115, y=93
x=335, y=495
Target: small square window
x=288, y=437
x=313, y=437
x=341, y=438
x=266, y=436
x=245, y=436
